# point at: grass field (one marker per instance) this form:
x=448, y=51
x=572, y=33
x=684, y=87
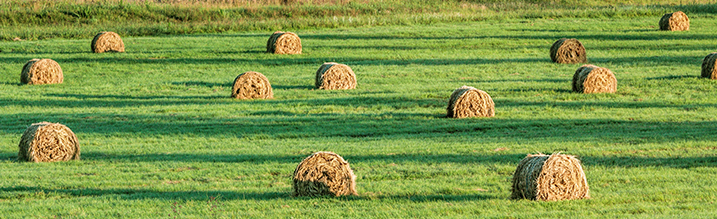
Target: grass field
x=76, y=19
x=160, y=136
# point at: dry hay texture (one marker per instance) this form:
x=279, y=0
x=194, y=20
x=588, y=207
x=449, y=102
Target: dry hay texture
x=252, y=85
x=592, y=79
x=677, y=21
x=284, y=43
x=568, y=51
x=335, y=76
x=41, y=71
x=48, y=142
x=107, y=42
x=324, y=173
x=470, y=102
x=708, y=66
x=550, y=178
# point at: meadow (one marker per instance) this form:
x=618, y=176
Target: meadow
x=160, y=137
x=46, y=19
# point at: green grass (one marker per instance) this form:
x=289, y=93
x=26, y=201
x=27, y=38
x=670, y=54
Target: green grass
x=160, y=136
x=74, y=19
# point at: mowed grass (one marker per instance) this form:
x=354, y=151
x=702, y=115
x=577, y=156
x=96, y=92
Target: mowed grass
x=160, y=136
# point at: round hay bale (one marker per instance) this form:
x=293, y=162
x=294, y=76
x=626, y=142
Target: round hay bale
x=107, y=42
x=284, y=43
x=48, y=142
x=677, y=21
x=568, y=51
x=252, y=85
x=470, y=102
x=324, y=173
x=41, y=71
x=550, y=178
x=592, y=79
x=708, y=66
x=335, y=76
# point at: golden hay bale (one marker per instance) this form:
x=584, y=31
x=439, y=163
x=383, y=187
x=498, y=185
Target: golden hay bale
x=677, y=21
x=335, y=76
x=41, y=71
x=48, y=142
x=550, y=178
x=568, y=51
x=708, y=66
x=107, y=41
x=470, y=102
x=252, y=85
x=284, y=43
x=592, y=79
x=324, y=173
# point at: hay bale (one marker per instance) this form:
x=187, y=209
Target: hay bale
x=284, y=43
x=48, y=142
x=335, y=76
x=708, y=66
x=324, y=173
x=252, y=85
x=677, y=21
x=107, y=42
x=41, y=71
x=550, y=178
x=470, y=102
x=568, y=51
x=592, y=79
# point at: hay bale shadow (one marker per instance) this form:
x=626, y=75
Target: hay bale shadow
x=202, y=84
x=671, y=77
x=10, y=83
x=293, y=87
x=8, y=157
x=145, y=194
